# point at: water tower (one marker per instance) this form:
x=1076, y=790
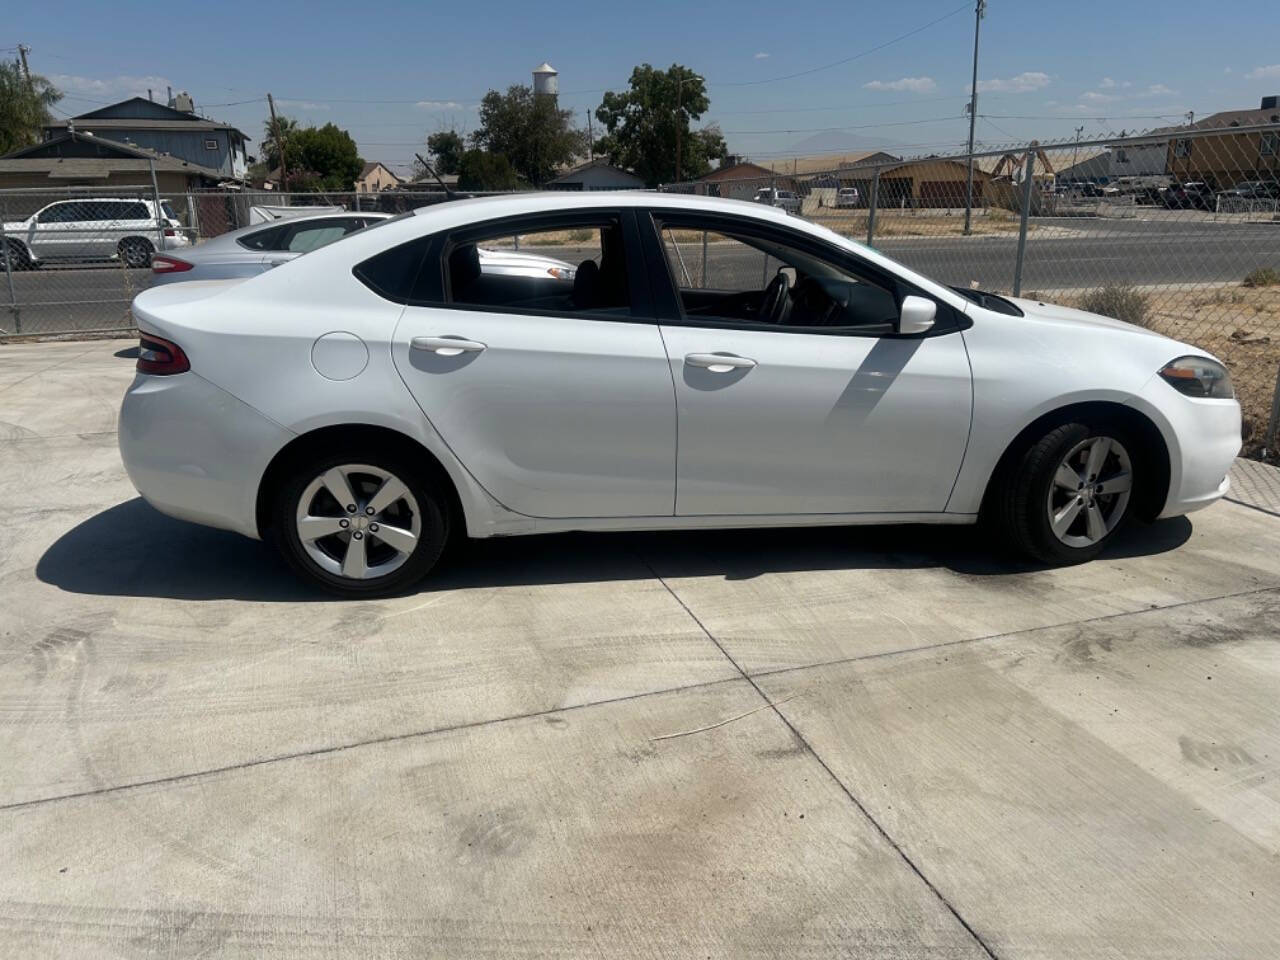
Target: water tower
x=546, y=80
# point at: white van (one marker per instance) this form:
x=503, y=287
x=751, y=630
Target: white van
x=93, y=228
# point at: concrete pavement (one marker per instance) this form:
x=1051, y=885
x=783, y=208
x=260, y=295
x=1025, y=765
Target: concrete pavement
x=852, y=742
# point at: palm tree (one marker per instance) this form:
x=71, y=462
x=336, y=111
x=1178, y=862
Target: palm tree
x=24, y=107
x=284, y=130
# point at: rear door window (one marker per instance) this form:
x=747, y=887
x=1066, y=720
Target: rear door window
x=567, y=264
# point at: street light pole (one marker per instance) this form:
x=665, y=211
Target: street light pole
x=980, y=8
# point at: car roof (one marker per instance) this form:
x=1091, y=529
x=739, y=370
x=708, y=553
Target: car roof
x=452, y=214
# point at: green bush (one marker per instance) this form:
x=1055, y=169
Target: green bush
x=1120, y=301
x=1262, y=277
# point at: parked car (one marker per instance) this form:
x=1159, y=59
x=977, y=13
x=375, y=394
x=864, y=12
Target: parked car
x=847, y=197
x=94, y=228
x=782, y=199
x=254, y=249
x=1193, y=195
x=1253, y=190
x=364, y=404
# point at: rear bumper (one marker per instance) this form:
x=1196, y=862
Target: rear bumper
x=195, y=452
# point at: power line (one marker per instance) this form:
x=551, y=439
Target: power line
x=844, y=60
x=838, y=128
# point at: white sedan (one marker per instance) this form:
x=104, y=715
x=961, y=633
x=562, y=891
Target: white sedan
x=367, y=402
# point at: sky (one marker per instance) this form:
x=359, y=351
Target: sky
x=782, y=78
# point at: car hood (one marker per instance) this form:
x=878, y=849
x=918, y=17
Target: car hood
x=1037, y=310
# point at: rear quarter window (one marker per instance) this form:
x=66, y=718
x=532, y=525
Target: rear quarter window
x=264, y=239
x=405, y=273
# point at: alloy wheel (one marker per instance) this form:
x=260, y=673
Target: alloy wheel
x=358, y=521
x=1090, y=491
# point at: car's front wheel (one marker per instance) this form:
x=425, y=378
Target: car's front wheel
x=359, y=524
x=1069, y=492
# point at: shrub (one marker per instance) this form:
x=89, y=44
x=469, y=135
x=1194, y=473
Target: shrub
x=1262, y=277
x=1120, y=301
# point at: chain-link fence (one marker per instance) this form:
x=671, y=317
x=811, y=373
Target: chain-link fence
x=1177, y=231
x=72, y=259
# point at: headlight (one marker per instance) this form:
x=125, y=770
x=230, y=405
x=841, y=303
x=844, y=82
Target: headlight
x=1198, y=377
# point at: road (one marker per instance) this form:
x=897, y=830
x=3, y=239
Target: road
x=1062, y=253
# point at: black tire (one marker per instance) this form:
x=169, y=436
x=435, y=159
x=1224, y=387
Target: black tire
x=434, y=517
x=19, y=257
x=1019, y=508
x=136, y=252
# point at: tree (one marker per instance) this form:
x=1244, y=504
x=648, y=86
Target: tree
x=318, y=158
x=644, y=123
x=531, y=130
x=24, y=107
x=446, y=148
x=482, y=170
x=284, y=130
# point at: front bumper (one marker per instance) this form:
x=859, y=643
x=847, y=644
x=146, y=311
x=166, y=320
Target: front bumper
x=195, y=452
x=1203, y=437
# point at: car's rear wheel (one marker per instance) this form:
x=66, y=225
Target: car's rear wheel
x=1068, y=494
x=359, y=524
x=136, y=251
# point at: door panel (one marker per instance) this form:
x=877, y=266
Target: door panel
x=557, y=416
x=819, y=423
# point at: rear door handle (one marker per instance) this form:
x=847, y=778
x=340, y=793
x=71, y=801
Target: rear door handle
x=719, y=362
x=447, y=346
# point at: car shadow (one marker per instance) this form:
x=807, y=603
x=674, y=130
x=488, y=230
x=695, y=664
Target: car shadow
x=133, y=550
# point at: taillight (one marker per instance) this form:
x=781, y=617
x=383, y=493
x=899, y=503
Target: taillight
x=160, y=356
x=163, y=264
x=169, y=232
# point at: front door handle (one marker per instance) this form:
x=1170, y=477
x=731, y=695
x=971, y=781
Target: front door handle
x=719, y=362
x=448, y=346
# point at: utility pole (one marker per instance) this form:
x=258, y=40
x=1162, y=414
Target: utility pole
x=591, y=138
x=1076, y=149
x=275, y=131
x=679, y=125
x=980, y=8
x=680, y=119
x=23, y=50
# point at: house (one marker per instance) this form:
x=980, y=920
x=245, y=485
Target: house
x=738, y=179
x=928, y=182
x=1223, y=159
x=376, y=177
x=596, y=174
x=81, y=159
x=175, y=130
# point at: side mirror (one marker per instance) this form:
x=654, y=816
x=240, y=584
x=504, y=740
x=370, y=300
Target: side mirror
x=916, y=315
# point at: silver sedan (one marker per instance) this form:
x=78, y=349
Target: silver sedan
x=257, y=248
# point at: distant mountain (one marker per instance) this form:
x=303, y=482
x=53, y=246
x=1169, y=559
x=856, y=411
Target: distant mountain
x=841, y=141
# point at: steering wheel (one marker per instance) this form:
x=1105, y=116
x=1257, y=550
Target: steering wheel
x=773, y=306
